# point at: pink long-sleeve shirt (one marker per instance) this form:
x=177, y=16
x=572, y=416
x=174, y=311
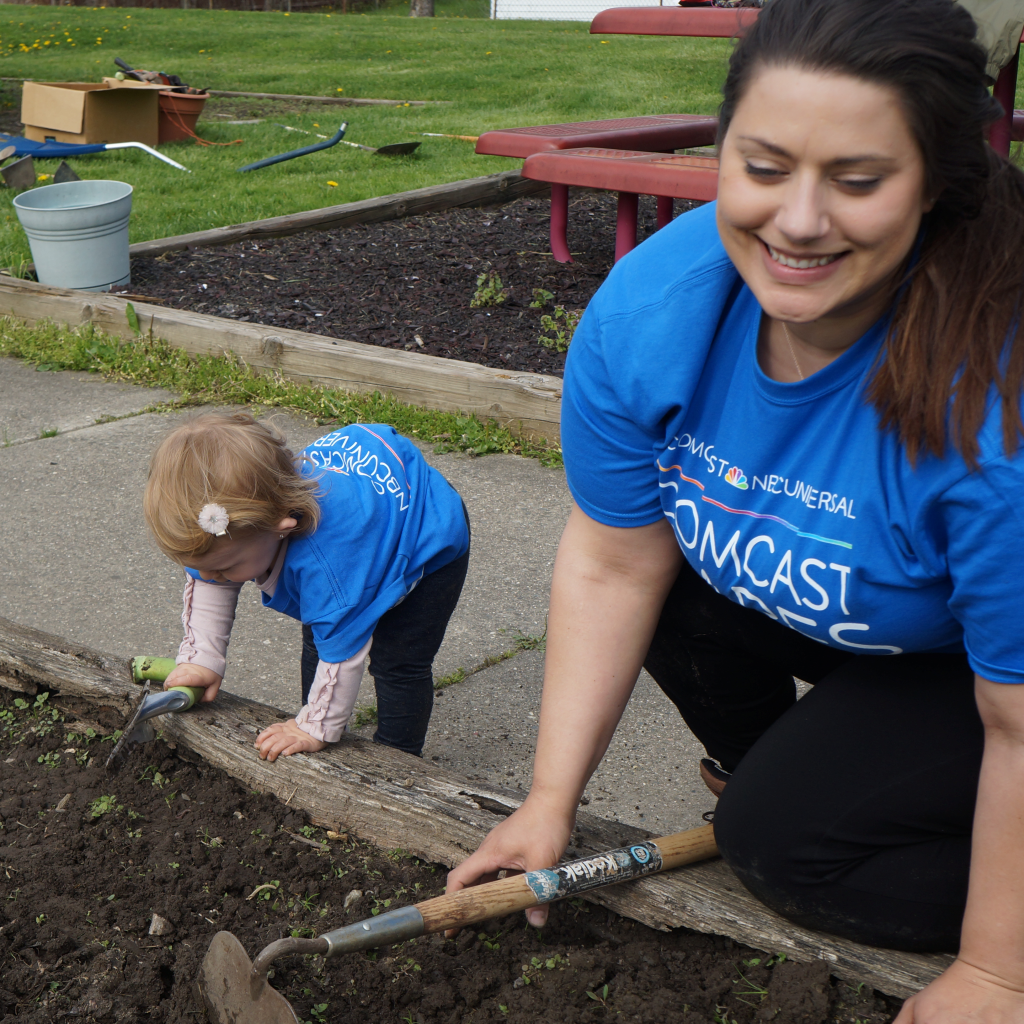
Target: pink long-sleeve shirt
x=207, y=618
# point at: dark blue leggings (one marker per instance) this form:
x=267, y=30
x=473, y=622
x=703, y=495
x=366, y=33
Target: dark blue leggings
x=405, y=643
x=850, y=810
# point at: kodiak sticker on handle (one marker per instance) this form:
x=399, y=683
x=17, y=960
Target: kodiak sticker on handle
x=591, y=872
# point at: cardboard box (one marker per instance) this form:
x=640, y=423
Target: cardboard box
x=89, y=112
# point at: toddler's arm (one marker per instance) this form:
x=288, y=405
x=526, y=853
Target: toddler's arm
x=332, y=697
x=207, y=617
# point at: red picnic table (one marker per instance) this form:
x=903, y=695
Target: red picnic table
x=727, y=22
x=599, y=161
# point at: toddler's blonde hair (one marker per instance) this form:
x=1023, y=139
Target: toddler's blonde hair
x=226, y=459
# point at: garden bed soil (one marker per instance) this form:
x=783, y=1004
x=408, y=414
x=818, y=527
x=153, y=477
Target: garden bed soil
x=88, y=857
x=409, y=283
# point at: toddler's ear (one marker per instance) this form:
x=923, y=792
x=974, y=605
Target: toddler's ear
x=286, y=526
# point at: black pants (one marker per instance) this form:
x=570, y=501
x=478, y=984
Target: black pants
x=850, y=811
x=402, y=656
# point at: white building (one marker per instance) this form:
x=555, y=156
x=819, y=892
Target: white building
x=563, y=10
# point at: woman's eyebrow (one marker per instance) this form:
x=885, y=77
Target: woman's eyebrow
x=843, y=161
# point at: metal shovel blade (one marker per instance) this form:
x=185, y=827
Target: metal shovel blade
x=224, y=988
x=397, y=149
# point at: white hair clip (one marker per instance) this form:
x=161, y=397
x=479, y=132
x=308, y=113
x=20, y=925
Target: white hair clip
x=214, y=519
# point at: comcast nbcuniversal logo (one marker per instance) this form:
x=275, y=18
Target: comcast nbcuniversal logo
x=736, y=478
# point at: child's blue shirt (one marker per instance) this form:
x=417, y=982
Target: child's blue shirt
x=387, y=520
x=787, y=498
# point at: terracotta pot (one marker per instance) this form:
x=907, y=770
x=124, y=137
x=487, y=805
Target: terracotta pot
x=179, y=112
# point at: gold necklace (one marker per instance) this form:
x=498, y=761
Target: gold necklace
x=792, y=351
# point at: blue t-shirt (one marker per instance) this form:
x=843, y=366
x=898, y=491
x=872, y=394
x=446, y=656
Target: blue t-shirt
x=387, y=520
x=787, y=498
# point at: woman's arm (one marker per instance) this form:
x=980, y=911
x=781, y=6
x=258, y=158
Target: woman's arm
x=607, y=591
x=986, y=982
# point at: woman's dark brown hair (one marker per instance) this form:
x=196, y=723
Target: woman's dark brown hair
x=956, y=330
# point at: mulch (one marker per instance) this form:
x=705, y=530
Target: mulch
x=410, y=283
x=88, y=857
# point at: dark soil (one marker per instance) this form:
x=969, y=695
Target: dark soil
x=408, y=283
x=88, y=857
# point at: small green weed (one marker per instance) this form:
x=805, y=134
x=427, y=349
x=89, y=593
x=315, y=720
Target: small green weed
x=104, y=805
x=751, y=989
x=132, y=318
x=207, y=840
x=601, y=996
x=366, y=714
x=50, y=760
x=451, y=679
x=489, y=291
x=558, y=335
x=541, y=297
x=51, y=432
x=490, y=941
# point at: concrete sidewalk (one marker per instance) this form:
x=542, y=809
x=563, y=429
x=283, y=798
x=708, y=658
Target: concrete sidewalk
x=75, y=559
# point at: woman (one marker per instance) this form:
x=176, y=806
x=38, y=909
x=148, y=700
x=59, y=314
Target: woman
x=791, y=425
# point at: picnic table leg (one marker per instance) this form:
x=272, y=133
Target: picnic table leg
x=625, y=226
x=1005, y=91
x=559, y=222
x=666, y=209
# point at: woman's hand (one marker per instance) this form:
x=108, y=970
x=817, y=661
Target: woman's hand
x=533, y=837
x=964, y=994
x=197, y=676
x=285, y=739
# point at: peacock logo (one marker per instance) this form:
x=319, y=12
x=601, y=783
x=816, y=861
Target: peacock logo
x=736, y=478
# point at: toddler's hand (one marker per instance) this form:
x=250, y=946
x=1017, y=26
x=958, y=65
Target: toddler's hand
x=285, y=738
x=198, y=676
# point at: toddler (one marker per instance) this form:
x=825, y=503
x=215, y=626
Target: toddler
x=357, y=538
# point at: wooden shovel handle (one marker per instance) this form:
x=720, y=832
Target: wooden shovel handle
x=507, y=895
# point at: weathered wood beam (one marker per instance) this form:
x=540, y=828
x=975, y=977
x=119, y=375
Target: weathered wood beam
x=395, y=800
x=483, y=191
x=529, y=403
x=341, y=101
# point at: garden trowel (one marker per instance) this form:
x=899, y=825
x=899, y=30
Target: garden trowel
x=177, y=698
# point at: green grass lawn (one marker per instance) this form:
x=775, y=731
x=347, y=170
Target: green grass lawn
x=492, y=74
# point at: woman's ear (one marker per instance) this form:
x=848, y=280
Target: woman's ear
x=286, y=526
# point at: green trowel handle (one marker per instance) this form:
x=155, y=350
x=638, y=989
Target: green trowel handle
x=194, y=692
x=157, y=669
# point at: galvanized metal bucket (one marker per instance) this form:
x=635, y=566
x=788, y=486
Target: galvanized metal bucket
x=78, y=233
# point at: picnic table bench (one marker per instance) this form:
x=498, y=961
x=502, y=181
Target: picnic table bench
x=631, y=174
x=663, y=133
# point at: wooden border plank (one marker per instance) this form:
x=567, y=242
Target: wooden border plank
x=490, y=188
x=395, y=800
x=528, y=403
x=341, y=101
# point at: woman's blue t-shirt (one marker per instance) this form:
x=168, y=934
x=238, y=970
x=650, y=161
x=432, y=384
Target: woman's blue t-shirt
x=387, y=520
x=787, y=498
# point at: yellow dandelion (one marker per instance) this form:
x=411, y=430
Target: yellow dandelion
x=333, y=184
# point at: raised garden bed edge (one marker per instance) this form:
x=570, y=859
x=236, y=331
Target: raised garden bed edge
x=392, y=799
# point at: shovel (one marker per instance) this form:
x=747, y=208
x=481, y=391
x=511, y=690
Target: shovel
x=394, y=149
x=177, y=698
x=235, y=989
